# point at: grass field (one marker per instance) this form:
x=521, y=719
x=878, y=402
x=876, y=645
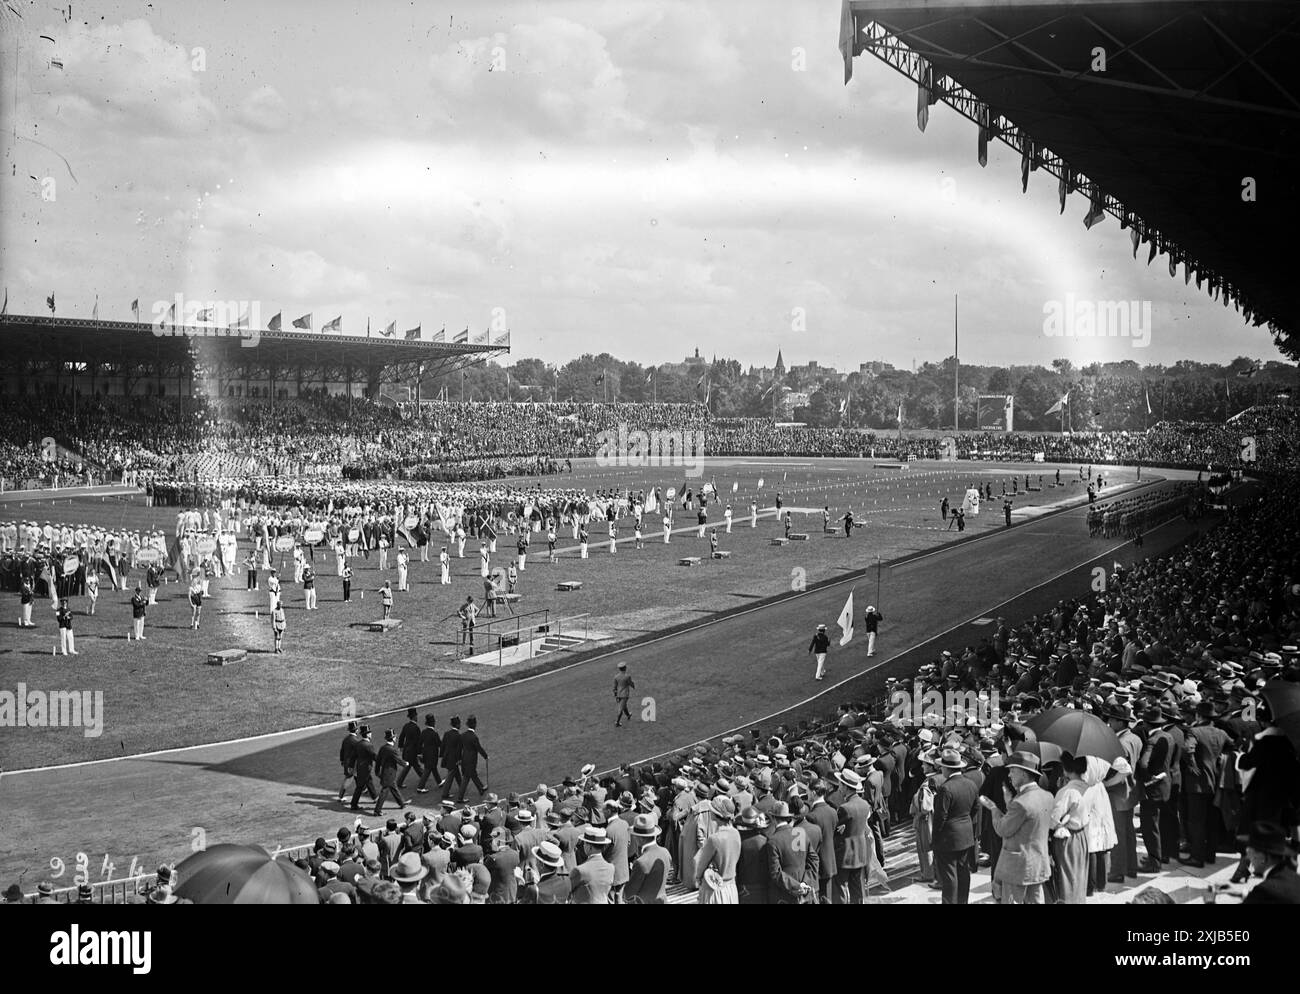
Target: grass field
x=161, y=694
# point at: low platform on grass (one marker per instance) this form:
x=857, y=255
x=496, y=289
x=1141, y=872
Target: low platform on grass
x=798, y=536
x=722, y=554
x=569, y=585
x=780, y=541
x=689, y=561
x=385, y=624
x=889, y=465
x=223, y=657
x=506, y=598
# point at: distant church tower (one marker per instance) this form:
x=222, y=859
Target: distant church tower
x=779, y=371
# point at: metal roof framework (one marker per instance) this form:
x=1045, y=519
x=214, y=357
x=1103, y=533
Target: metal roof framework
x=1197, y=100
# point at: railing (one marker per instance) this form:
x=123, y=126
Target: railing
x=105, y=891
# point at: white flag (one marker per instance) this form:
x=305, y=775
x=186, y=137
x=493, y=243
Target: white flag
x=846, y=620
x=735, y=486
x=760, y=483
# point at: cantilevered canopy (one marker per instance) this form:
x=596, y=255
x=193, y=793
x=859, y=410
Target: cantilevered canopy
x=1196, y=111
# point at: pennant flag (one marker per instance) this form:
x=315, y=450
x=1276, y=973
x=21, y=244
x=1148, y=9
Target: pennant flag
x=274, y=323
x=49, y=302
x=94, y=311
x=846, y=621
x=335, y=325
x=1173, y=264
x=1148, y=396
x=171, y=313
x=1095, y=209
x=440, y=336
x=701, y=381
x=923, y=99
x=900, y=413
x=1025, y=154
x=986, y=132
x=461, y=336
x=412, y=333
x=5, y=308
x=390, y=331
x=648, y=376
x=1062, y=189
x=1055, y=408
x=844, y=404
x=303, y=322
x=135, y=308
x=1135, y=238
x=600, y=378
x=1227, y=390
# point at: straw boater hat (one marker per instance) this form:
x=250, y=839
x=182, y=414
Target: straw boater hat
x=549, y=854
x=595, y=835
x=849, y=779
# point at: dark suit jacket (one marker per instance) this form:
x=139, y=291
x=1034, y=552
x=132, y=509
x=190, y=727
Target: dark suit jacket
x=408, y=741
x=790, y=859
x=363, y=758
x=388, y=763
x=348, y=750
x=470, y=750
x=648, y=877
x=952, y=829
x=430, y=746
x=822, y=817
x=451, y=749
x=751, y=870
x=1282, y=886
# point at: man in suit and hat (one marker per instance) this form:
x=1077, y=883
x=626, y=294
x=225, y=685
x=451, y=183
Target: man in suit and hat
x=791, y=860
x=623, y=687
x=1205, y=743
x=952, y=828
x=854, y=845
x=387, y=762
x=822, y=818
x=593, y=877
x=347, y=752
x=648, y=875
x=752, y=869
x=620, y=840
x=1124, y=794
x=549, y=883
x=1274, y=860
x=408, y=742
x=430, y=747
x=470, y=750
x=451, y=759
x=1023, y=864
x=1155, y=787
x=363, y=764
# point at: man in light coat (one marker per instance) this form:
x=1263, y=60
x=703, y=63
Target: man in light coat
x=1023, y=865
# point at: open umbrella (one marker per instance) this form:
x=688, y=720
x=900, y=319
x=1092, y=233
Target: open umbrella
x=1047, y=752
x=1080, y=733
x=1283, y=700
x=229, y=874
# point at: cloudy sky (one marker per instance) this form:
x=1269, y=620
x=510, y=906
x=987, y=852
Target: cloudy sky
x=642, y=178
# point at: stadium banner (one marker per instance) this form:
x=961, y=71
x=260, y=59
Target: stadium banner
x=146, y=556
x=313, y=535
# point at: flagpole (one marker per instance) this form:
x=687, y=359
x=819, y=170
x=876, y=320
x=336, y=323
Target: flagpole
x=956, y=367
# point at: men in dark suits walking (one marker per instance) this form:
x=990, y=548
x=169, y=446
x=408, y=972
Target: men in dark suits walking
x=408, y=743
x=387, y=763
x=470, y=750
x=451, y=758
x=952, y=829
x=430, y=747
x=347, y=754
x=363, y=765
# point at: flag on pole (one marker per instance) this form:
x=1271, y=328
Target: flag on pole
x=5, y=308
x=1056, y=408
x=1250, y=370
x=481, y=339
x=135, y=306
x=303, y=322
x=504, y=340
x=1148, y=397
x=600, y=379
x=390, y=331
x=94, y=311
x=846, y=621
x=760, y=483
x=204, y=315
x=735, y=486
x=900, y=412
x=335, y=325
x=844, y=404
x=461, y=336
x=441, y=336
x=49, y=302
x=274, y=323
x=412, y=333
x=648, y=376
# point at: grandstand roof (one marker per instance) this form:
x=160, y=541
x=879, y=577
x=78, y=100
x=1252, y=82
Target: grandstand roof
x=81, y=340
x=1196, y=96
